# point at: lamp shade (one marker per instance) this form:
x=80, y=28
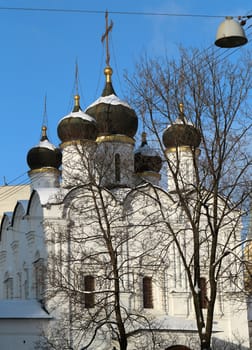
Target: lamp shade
x=230, y=34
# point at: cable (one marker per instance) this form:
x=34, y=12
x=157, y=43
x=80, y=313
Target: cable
x=100, y=72
x=18, y=177
x=223, y=53
x=137, y=13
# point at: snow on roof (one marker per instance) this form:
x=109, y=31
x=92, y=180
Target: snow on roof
x=46, y=144
x=177, y=323
x=110, y=99
x=16, y=308
x=79, y=114
x=174, y=323
x=166, y=323
x=146, y=150
x=181, y=122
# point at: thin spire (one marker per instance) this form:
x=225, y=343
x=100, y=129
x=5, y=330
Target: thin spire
x=105, y=36
x=45, y=121
x=77, y=107
x=76, y=80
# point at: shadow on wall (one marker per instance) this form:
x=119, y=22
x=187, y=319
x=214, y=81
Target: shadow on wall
x=218, y=344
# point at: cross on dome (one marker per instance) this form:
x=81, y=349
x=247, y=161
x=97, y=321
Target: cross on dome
x=105, y=36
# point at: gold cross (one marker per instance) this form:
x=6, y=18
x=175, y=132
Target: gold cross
x=105, y=36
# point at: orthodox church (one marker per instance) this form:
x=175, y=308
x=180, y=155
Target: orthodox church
x=96, y=257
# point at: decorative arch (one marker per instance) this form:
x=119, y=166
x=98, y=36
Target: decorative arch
x=34, y=208
x=19, y=212
x=8, y=285
x=80, y=194
x=5, y=223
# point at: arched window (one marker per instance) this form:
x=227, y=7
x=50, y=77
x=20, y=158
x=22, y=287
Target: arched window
x=89, y=286
x=117, y=167
x=8, y=286
x=26, y=281
x=19, y=285
x=147, y=293
x=39, y=277
x=203, y=293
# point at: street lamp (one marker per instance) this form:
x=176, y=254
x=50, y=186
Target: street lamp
x=230, y=33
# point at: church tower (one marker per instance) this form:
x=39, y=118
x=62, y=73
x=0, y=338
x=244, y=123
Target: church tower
x=181, y=140
x=77, y=132
x=117, y=125
x=44, y=161
x=148, y=163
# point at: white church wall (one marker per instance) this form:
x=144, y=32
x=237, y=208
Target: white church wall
x=136, y=219
x=20, y=334
x=108, y=172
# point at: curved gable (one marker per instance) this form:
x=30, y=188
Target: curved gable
x=5, y=223
x=34, y=205
x=85, y=193
x=147, y=195
x=19, y=212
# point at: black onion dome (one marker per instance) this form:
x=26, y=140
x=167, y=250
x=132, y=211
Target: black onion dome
x=181, y=133
x=77, y=125
x=45, y=154
x=113, y=115
x=146, y=158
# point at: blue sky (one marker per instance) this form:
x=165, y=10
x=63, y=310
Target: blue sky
x=39, y=50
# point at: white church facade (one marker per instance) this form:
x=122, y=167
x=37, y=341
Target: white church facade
x=99, y=256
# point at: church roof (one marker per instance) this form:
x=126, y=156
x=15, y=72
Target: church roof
x=168, y=323
x=110, y=99
x=113, y=116
x=147, y=158
x=77, y=125
x=45, y=154
x=16, y=308
x=181, y=132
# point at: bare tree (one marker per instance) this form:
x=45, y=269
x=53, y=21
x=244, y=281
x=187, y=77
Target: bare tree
x=113, y=249
x=215, y=95
x=103, y=262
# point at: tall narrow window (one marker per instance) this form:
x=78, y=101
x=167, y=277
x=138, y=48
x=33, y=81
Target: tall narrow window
x=147, y=293
x=26, y=282
x=89, y=286
x=19, y=285
x=117, y=167
x=8, y=286
x=203, y=293
x=39, y=278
